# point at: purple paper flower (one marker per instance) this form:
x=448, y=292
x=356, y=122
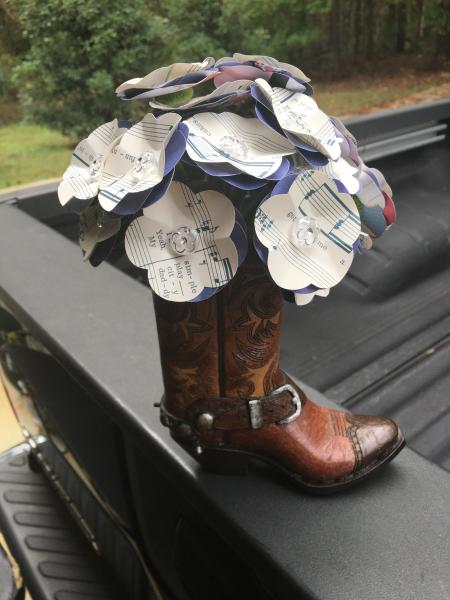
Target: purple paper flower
x=252, y=67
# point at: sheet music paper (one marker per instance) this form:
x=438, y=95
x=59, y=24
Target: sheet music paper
x=81, y=178
x=304, y=299
x=341, y=170
x=156, y=83
x=212, y=264
x=327, y=260
x=247, y=144
x=136, y=161
x=300, y=115
x=95, y=227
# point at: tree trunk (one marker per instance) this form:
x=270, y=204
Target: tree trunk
x=401, y=27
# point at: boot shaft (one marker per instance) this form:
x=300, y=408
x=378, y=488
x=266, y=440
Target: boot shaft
x=226, y=346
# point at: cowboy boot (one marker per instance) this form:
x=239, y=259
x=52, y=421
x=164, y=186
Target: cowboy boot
x=227, y=401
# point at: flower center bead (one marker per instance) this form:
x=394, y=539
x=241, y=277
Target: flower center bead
x=94, y=167
x=143, y=164
x=232, y=147
x=305, y=231
x=184, y=240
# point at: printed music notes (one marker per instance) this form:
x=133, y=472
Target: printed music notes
x=185, y=241
x=244, y=145
x=330, y=225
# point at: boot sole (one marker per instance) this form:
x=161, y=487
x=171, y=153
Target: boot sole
x=224, y=461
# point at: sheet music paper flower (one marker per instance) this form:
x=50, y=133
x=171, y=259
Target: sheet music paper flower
x=167, y=80
x=96, y=226
x=81, y=179
x=229, y=146
x=309, y=232
x=307, y=295
x=342, y=171
x=139, y=166
x=190, y=243
x=183, y=77
x=297, y=116
x=347, y=143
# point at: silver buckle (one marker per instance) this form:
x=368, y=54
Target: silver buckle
x=255, y=412
x=296, y=401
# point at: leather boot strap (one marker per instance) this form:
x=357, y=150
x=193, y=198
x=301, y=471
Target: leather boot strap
x=281, y=406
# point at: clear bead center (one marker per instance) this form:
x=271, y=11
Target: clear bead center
x=232, y=147
x=305, y=231
x=144, y=163
x=184, y=240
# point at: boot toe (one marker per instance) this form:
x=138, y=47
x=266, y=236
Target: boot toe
x=374, y=438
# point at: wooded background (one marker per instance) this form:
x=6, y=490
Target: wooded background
x=64, y=58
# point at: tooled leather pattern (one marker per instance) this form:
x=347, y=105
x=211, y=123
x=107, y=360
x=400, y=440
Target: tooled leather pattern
x=229, y=346
x=188, y=342
x=252, y=307
x=352, y=434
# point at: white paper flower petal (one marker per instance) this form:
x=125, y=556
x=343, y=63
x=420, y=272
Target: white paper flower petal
x=94, y=228
x=304, y=299
x=300, y=115
x=208, y=211
x=212, y=262
x=81, y=179
x=246, y=144
x=369, y=193
x=154, y=84
x=327, y=259
x=136, y=162
x=341, y=170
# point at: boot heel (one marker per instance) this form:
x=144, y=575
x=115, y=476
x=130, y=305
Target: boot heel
x=224, y=462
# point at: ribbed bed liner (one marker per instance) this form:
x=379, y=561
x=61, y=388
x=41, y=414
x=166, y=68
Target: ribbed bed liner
x=380, y=343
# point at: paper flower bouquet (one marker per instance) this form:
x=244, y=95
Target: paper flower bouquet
x=234, y=153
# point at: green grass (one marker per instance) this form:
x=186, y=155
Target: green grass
x=339, y=100
x=31, y=153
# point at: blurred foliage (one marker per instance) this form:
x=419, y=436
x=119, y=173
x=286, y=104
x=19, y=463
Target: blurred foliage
x=65, y=57
x=77, y=53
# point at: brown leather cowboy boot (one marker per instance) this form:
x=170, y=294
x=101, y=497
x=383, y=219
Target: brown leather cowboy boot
x=227, y=401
